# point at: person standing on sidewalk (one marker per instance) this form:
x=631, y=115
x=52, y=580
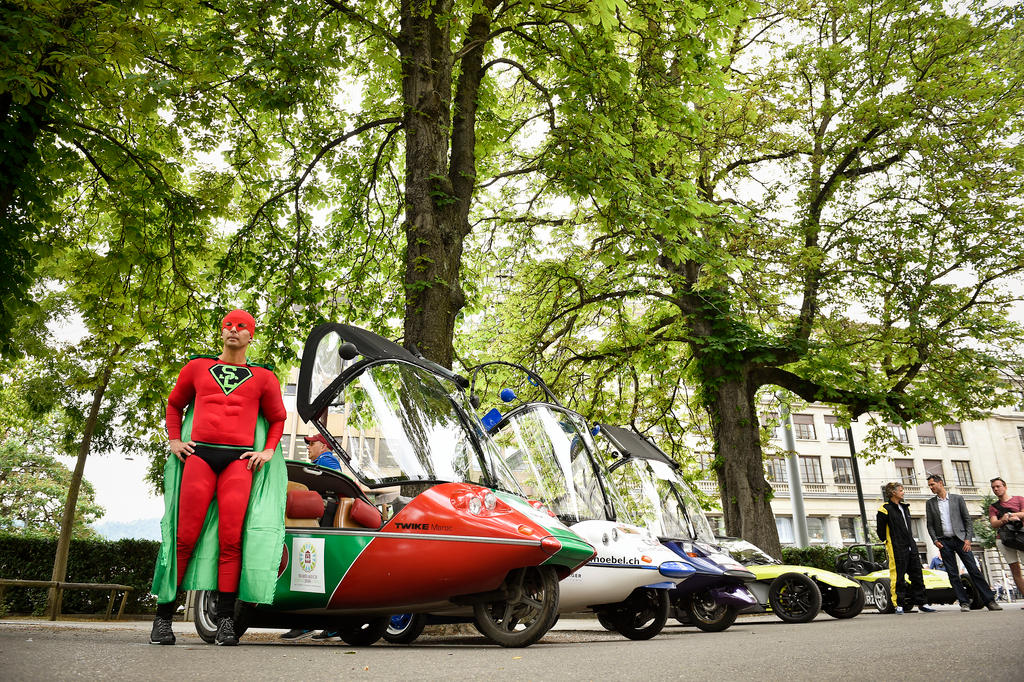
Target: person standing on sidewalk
x=894, y=529
x=219, y=460
x=950, y=528
x=1007, y=510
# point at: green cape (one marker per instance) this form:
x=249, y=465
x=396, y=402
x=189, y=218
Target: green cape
x=262, y=532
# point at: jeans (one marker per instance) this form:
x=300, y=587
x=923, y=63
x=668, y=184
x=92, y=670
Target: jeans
x=950, y=550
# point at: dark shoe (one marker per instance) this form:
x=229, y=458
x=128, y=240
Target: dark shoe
x=324, y=635
x=926, y=609
x=226, y=633
x=966, y=608
x=162, y=633
x=297, y=633
x=992, y=606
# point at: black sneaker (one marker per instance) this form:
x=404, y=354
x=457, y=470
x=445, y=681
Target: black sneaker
x=226, y=633
x=162, y=633
x=297, y=633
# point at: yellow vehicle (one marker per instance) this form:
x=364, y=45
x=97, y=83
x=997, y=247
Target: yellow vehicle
x=795, y=593
x=874, y=577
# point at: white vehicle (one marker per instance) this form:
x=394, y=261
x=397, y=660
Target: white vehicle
x=551, y=453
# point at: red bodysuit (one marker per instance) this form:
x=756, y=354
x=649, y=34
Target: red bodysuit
x=228, y=399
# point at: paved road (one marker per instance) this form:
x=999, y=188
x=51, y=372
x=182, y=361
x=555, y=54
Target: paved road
x=869, y=647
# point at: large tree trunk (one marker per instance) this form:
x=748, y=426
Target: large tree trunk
x=433, y=243
x=60, y=562
x=438, y=189
x=746, y=495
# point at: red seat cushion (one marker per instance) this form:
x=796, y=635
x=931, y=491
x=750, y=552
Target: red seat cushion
x=304, y=504
x=365, y=514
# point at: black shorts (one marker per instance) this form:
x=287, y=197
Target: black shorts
x=218, y=457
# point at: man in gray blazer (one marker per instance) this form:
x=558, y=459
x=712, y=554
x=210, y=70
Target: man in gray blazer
x=949, y=526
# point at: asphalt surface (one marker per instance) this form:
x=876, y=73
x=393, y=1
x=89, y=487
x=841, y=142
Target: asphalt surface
x=948, y=645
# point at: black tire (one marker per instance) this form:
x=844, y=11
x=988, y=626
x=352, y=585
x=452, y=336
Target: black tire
x=364, y=633
x=205, y=618
x=882, y=595
x=605, y=619
x=850, y=611
x=972, y=592
x=643, y=615
x=529, y=612
x=794, y=598
x=405, y=628
x=707, y=614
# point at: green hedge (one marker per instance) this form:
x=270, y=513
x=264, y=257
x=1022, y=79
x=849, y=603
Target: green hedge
x=821, y=556
x=124, y=562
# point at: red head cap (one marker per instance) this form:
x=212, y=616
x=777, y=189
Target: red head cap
x=239, y=319
x=318, y=438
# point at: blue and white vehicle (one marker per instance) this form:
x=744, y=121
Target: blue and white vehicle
x=552, y=454
x=657, y=498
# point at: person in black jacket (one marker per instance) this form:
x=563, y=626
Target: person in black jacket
x=894, y=529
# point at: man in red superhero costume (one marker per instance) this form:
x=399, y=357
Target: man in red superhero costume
x=228, y=396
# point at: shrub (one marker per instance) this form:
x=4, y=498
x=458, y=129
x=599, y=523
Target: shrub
x=125, y=562
x=819, y=556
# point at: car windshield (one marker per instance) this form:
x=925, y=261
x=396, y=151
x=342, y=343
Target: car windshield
x=655, y=497
x=546, y=450
x=746, y=553
x=399, y=422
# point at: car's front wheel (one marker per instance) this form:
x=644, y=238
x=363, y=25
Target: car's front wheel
x=643, y=615
x=794, y=598
x=882, y=597
x=707, y=614
x=205, y=607
x=527, y=614
x=404, y=628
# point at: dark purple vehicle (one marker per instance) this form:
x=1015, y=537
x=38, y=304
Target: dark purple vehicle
x=661, y=501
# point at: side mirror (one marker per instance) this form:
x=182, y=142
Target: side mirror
x=348, y=351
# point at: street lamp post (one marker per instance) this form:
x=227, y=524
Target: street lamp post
x=796, y=490
x=860, y=490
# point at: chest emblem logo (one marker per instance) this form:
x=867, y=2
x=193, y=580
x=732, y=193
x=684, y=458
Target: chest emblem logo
x=229, y=377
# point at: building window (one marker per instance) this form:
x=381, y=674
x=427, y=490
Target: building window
x=1020, y=436
x=770, y=422
x=851, y=529
x=286, y=445
x=817, y=529
x=899, y=431
x=933, y=467
x=776, y=467
x=963, y=473
x=835, y=432
x=289, y=389
x=926, y=434
x=842, y=470
x=905, y=471
x=953, y=434
x=784, y=525
x=810, y=470
x=803, y=427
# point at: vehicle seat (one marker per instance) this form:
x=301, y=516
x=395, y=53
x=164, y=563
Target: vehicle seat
x=357, y=513
x=303, y=508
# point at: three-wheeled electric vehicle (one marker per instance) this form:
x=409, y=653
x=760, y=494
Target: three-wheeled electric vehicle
x=550, y=450
x=657, y=498
x=446, y=542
